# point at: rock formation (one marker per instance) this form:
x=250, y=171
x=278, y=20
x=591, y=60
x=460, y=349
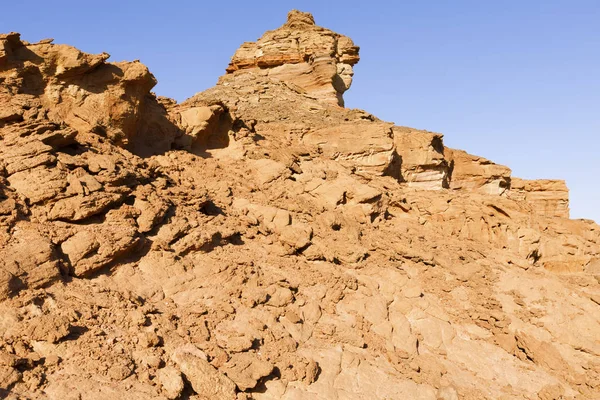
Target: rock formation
x=548, y=197
x=258, y=241
x=315, y=59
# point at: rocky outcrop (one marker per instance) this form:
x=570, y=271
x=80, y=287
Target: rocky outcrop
x=421, y=158
x=473, y=173
x=372, y=154
x=315, y=59
x=66, y=86
x=258, y=241
x=547, y=197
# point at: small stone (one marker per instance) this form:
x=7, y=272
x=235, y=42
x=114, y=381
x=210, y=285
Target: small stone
x=246, y=369
x=52, y=360
x=415, y=366
x=149, y=339
x=203, y=377
x=293, y=317
x=171, y=381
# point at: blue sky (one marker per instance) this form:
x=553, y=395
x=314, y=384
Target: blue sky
x=517, y=82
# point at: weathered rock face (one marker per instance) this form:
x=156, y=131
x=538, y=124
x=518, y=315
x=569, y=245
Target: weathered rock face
x=475, y=173
x=421, y=155
x=547, y=197
x=84, y=91
x=276, y=246
x=372, y=154
x=316, y=59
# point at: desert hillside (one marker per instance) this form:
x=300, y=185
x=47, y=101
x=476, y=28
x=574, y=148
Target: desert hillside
x=261, y=241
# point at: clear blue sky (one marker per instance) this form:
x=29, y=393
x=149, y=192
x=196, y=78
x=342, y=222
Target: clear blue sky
x=516, y=81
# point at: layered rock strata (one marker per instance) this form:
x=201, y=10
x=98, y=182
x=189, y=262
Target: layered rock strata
x=547, y=197
x=315, y=59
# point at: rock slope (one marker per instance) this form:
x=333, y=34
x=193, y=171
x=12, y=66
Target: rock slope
x=258, y=241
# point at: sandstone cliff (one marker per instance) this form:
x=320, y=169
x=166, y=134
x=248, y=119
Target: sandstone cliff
x=259, y=241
